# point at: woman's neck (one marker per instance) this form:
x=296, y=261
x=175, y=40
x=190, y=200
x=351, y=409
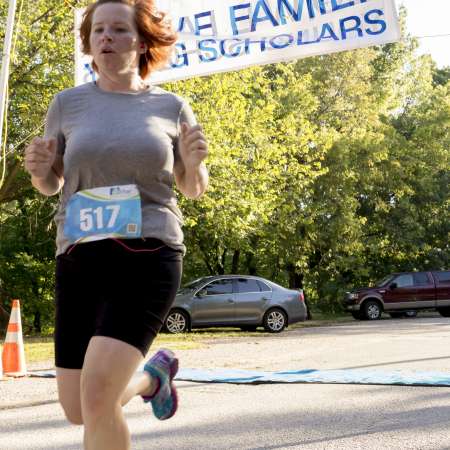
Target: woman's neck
x=133, y=83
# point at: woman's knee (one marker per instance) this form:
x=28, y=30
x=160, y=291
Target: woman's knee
x=97, y=397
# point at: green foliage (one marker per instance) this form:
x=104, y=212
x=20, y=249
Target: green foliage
x=325, y=173
x=441, y=76
x=27, y=260
x=41, y=65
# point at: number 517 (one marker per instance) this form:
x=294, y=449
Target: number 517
x=90, y=217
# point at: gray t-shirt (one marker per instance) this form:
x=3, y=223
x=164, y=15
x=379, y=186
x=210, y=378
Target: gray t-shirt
x=110, y=139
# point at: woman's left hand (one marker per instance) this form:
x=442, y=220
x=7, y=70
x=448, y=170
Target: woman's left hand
x=193, y=146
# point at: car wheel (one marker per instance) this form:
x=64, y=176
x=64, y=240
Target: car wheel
x=356, y=315
x=411, y=313
x=248, y=328
x=444, y=312
x=275, y=320
x=396, y=315
x=176, y=322
x=372, y=310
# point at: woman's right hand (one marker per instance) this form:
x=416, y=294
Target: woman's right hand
x=40, y=156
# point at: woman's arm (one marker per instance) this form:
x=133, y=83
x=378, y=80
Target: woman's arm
x=191, y=175
x=191, y=183
x=45, y=166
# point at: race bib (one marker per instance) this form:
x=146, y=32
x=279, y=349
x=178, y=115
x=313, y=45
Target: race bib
x=101, y=213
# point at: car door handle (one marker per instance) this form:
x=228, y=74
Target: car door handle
x=230, y=300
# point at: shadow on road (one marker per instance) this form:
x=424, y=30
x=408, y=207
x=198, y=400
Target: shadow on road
x=334, y=426
x=385, y=363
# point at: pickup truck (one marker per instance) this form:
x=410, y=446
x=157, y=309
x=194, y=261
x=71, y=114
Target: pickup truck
x=401, y=294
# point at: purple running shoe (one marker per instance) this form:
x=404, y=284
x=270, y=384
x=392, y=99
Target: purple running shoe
x=163, y=367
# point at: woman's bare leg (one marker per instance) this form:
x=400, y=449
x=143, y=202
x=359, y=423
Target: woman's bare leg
x=108, y=368
x=68, y=381
x=141, y=384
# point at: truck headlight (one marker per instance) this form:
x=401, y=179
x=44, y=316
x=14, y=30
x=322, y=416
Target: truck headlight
x=352, y=296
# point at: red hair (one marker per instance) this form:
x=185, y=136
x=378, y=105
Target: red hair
x=152, y=26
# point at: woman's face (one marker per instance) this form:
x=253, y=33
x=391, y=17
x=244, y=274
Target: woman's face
x=114, y=39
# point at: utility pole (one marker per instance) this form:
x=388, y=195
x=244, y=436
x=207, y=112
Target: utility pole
x=6, y=56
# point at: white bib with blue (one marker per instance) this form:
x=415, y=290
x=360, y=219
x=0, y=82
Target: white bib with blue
x=102, y=213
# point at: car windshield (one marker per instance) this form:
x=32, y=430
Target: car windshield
x=191, y=286
x=383, y=281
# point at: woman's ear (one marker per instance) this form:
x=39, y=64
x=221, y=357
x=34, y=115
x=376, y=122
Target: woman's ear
x=143, y=47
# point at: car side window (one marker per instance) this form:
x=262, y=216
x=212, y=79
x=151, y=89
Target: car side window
x=247, y=285
x=421, y=279
x=219, y=287
x=404, y=280
x=263, y=286
x=442, y=277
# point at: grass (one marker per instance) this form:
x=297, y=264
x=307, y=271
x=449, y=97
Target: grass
x=40, y=348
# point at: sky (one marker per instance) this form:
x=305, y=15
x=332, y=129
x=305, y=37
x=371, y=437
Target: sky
x=430, y=17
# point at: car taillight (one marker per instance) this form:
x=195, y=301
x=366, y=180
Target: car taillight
x=301, y=297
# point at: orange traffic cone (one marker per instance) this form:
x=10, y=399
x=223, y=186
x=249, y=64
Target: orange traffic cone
x=13, y=356
x=1, y=365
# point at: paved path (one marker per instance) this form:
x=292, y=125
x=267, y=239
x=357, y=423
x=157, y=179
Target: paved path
x=306, y=416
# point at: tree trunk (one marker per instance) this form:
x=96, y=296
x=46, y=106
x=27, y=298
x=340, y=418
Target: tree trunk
x=37, y=326
x=9, y=191
x=250, y=263
x=275, y=269
x=296, y=282
x=205, y=254
x=235, y=263
x=221, y=263
x=4, y=319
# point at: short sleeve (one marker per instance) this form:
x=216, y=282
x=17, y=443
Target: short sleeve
x=53, y=125
x=186, y=115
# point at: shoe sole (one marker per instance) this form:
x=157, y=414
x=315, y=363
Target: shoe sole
x=173, y=390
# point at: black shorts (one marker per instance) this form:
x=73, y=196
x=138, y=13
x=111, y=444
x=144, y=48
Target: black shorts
x=117, y=288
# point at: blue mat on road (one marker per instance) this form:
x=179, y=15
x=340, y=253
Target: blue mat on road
x=348, y=376
x=343, y=376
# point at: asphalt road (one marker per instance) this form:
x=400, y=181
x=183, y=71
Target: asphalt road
x=275, y=416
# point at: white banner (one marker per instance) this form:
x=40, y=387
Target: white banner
x=225, y=35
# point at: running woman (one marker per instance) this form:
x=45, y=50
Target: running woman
x=115, y=147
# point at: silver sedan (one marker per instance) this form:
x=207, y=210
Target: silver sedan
x=235, y=301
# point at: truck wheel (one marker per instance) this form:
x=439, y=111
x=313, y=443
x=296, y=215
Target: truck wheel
x=444, y=312
x=372, y=310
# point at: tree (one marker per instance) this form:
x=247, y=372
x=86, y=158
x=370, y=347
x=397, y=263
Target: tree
x=325, y=173
x=41, y=66
x=441, y=76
